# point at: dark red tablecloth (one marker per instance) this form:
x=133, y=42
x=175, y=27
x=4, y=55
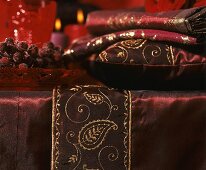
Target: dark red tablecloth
x=25, y=130
x=97, y=127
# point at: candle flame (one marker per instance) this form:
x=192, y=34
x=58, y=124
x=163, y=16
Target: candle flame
x=58, y=24
x=80, y=16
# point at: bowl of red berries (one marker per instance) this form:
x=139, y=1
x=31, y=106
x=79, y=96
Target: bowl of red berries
x=29, y=66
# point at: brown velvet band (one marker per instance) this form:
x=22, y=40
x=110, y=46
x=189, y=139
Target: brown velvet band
x=100, y=128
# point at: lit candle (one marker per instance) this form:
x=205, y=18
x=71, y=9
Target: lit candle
x=59, y=38
x=74, y=31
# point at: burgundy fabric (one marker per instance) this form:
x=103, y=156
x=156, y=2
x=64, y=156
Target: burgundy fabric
x=25, y=130
x=188, y=21
x=169, y=130
x=90, y=45
x=140, y=51
x=144, y=64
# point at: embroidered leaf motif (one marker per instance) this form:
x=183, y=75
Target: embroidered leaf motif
x=74, y=89
x=73, y=159
x=94, y=133
x=94, y=98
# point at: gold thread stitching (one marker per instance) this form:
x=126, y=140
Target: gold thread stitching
x=55, y=124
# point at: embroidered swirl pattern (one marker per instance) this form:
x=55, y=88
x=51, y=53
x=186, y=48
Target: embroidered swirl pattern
x=139, y=51
x=93, y=122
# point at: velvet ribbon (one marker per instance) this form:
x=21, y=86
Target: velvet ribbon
x=110, y=129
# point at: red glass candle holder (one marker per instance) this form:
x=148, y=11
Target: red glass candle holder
x=27, y=20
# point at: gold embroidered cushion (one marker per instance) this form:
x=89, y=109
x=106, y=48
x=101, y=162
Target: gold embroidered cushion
x=140, y=64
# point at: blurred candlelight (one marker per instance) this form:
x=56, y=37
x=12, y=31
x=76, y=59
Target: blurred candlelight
x=58, y=24
x=75, y=31
x=59, y=38
x=80, y=16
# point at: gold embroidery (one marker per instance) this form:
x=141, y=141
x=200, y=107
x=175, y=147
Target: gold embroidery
x=73, y=159
x=111, y=37
x=130, y=129
x=170, y=55
x=94, y=98
x=127, y=132
x=176, y=21
x=129, y=34
x=112, y=156
x=123, y=54
x=133, y=43
x=81, y=108
x=99, y=41
x=103, y=56
x=155, y=52
x=143, y=34
x=185, y=39
x=55, y=128
x=93, y=134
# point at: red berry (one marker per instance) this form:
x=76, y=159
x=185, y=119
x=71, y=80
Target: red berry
x=23, y=66
x=4, y=60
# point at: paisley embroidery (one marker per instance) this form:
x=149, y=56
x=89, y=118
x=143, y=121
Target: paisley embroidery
x=139, y=51
x=105, y=135
x=93, y=134
x=134, y=43
x=94, y=98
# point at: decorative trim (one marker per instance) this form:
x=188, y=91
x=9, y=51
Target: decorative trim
x=55, y=128
x=130, y=130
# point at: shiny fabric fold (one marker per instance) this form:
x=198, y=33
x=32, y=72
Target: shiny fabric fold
x=188, y=21
x=101, y=128
x=90, y=45
x=25, y=135
x=168, y=130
